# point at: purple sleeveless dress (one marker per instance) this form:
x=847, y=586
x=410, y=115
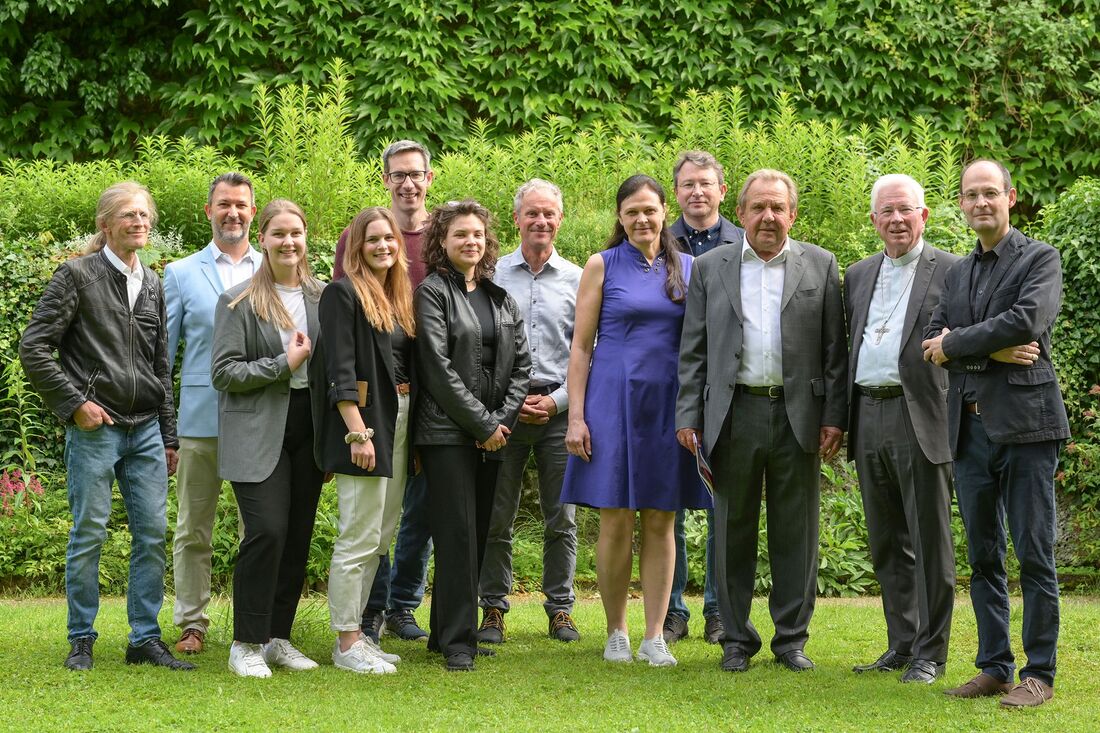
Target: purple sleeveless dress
x=630, y=403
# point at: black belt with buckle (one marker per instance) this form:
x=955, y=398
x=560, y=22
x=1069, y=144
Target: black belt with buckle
x=881, y=393
x=774, y=392
x=972, y=408
x=544, y=389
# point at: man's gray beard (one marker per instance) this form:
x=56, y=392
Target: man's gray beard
x=221, y=236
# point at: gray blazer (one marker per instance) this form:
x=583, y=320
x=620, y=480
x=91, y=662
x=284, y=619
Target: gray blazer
x=249, y=369
x=814, y=348
x=925, y=384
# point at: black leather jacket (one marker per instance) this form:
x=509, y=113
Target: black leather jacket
x=111, y=355
x=448, y=361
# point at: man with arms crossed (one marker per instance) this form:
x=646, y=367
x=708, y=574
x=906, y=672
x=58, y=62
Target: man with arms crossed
x=763, y=351
x=397, y=592
x=103, y=313
x=700, y=185
x=1006, y=425
x=897, y=431
x=544, y=286
x=191, y=289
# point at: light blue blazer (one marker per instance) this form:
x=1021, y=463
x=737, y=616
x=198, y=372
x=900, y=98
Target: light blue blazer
x=191, y=290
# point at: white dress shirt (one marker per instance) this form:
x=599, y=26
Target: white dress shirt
x=134, y=277
x=234, y=273
x=761, y=304
x=877, y=365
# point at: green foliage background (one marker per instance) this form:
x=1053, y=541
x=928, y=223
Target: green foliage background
x=89, y=78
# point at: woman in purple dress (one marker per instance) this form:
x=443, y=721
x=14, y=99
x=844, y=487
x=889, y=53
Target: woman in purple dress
x=622, y=408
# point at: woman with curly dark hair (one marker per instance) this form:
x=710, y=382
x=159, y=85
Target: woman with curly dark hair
x=474, y=368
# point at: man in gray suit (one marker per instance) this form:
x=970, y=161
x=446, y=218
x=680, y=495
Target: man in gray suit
x=897, y=431
x=1006, y=424
x=763, y=371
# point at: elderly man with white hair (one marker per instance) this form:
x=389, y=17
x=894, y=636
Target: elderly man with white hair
x=898, y=431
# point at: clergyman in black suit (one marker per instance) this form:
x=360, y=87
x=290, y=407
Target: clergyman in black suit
x=897, y=431
x=1006, y=424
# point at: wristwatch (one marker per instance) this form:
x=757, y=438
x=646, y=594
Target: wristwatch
x=362, y=437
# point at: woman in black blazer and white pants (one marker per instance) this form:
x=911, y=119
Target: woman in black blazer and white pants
x=474, y=369
x=263, y=333
x=361, y=379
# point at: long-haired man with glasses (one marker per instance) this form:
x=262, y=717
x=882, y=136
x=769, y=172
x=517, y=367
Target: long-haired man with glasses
x=1006, y=425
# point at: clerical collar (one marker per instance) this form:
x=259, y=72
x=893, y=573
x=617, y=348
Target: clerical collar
x=908, y=257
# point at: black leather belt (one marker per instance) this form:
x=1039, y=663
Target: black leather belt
x=544, y=389
x=972, y=408
x=774, y=392
x=881, y=393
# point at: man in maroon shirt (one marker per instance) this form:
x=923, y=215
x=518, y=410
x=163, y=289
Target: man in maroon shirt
x=407, y=174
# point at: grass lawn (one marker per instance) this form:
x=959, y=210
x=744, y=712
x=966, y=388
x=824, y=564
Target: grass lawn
x=533, y=684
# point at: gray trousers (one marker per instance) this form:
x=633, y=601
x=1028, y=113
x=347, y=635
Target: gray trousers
x=559, y=543
x=907, y=503
x=761, y=450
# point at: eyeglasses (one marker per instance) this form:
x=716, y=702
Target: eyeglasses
x=889, y=211
x=692, y=185
x=399, y=177
x=971, y=197
x=132, y=216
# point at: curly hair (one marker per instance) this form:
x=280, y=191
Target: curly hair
x=442, y=217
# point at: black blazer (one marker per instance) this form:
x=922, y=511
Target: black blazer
x=1019, y=404
x=350, y=350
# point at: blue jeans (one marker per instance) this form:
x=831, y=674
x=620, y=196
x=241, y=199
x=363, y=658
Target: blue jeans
x=680, y=573
x=93, y=460
x=401, y=587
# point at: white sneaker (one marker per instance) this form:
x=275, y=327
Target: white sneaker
x=378, y=652
x=247, y=660
x=617, y=648
x=655, y=651
x=359, y=658
x=281, y=653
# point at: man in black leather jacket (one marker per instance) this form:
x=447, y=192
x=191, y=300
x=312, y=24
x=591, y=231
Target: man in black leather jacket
x=104, y=315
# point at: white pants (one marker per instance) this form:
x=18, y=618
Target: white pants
x=369, y=510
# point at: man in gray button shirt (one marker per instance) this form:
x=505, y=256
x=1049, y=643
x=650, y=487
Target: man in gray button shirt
x=544, y=285
x=898, y=431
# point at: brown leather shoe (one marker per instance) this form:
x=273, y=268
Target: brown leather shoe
x=190, y=642
x=983, y=685
x=1028, y=694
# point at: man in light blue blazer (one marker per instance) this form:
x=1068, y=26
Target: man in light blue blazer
x=191, y=289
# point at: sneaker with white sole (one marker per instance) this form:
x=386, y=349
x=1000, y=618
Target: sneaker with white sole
x=617, y=648
x=655, y=651
x=359, y=658
x=281, y=653
x=247, y=660
x=378, y=652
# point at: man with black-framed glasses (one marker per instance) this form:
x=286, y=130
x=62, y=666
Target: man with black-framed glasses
x=397, y=591
x=1006, y=425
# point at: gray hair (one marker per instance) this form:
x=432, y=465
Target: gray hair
x=1006, y=177
x=232, y=178
x=537, y=184
x=897, y=179
x=700, y=158
x=404, y=146
x=770, y=174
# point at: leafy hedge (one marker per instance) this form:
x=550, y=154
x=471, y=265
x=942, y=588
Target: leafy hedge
x=1019, y=80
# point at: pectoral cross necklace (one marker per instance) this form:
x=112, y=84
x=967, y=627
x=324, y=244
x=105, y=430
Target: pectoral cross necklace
x=882, y=330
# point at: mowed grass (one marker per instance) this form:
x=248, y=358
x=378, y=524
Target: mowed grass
x=534, y=683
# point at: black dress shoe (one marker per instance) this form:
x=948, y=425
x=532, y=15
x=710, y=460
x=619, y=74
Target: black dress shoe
x=923, y=670
x=713, y=629
x=156, y=652
x=890, y=661
x=80, y=656
x=674, y=628
x=795, y=660
x=460, y=662
x=734, y=660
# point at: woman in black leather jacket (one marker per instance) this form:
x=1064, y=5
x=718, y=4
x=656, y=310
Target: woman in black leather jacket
x=474, y=368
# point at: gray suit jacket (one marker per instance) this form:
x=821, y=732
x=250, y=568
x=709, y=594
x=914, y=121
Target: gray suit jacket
x=814, y=348
x=251, y=373
x=925, y=384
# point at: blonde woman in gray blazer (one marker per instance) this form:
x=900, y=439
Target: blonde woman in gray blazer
x=263, y=336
